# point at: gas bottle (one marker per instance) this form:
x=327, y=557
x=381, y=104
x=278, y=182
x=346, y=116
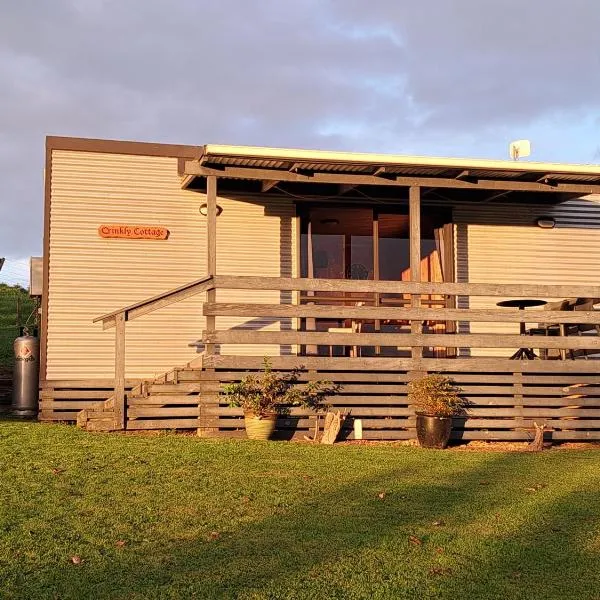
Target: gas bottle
x=26, y=375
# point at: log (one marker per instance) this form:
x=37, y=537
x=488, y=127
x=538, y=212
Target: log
x=333, y=425
x=537, y=445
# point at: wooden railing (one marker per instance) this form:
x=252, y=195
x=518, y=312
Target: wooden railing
x=118, y=318
x=415, y=339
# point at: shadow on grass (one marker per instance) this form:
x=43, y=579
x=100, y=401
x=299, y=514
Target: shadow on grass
x=477, y=533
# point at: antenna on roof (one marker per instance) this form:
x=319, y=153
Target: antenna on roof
x=519, y=149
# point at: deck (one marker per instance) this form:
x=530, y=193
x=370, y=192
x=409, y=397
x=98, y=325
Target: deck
x=372, y=367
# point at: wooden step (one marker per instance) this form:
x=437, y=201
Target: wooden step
x=162, y=399
x=170, y=388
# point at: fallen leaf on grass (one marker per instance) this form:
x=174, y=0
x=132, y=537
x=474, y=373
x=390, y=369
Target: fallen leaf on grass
x=413, y=539
x=536, y=487
x=57, y=471
x=76, y=560
x=439, y=550
x=381, y=495
x=438, y=523
x=120, y=543
x=214, y=535
x=440, y=571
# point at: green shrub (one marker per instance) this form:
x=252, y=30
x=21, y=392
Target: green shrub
x=270, y=391
x=436, y=395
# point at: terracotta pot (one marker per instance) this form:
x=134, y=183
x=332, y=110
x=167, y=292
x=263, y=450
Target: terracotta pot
x=433, y=431
x=259, y=428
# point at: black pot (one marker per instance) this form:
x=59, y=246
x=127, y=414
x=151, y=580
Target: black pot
x=432, y=431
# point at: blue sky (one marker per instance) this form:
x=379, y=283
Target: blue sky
x=432, y=77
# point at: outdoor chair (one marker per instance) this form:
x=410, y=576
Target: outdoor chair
x=566, y=329
x=581, y=329
x=552, y=329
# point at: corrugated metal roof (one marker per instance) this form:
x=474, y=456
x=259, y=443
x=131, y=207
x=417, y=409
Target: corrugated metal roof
x=351, y=162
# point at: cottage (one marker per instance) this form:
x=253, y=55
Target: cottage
x=170, y=270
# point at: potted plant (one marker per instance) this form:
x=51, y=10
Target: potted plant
x=266, y=395
x=436, y=399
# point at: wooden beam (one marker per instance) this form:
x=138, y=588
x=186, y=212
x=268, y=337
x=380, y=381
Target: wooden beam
x=376, y=271
x=211, y=225
x=392, y=313
x=301, y=169
x=193, y=168
x=133, y=311
x=548, y=179
x=452, y=365
x=401, y=340
x=464, y=175
x=186, y=180
x=211, y=250
x=119, y=386
x=267, y=184
x=502, y=290
x=414, y=209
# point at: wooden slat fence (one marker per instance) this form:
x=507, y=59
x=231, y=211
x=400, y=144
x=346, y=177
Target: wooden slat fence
x=504, y=404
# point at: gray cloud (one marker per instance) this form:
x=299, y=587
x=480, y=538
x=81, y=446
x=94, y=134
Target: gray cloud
x=429, y=76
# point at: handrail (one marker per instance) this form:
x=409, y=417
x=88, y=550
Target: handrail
x=323, y=311
x=340, y=285
x=118, y=318
x=159, y=301
x=405, y=287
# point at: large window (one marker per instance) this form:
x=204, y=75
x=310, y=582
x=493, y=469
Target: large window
x=365, y=243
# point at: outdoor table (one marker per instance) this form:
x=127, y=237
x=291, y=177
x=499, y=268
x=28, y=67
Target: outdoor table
x=522, y=304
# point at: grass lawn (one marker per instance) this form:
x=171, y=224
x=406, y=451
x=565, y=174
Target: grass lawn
x=171, y=516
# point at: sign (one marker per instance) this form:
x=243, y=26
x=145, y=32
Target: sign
x=133, y=232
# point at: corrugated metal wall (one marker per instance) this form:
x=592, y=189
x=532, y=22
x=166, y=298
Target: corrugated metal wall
x=500, y=243
x=255, y=238
x=91, y=276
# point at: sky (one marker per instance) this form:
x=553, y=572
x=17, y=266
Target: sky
x=429, y=77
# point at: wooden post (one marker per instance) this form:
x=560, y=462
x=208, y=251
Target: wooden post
x=119, y=391
x=376, y=275
x=209, y=401
x=415, y=258
x=311, y=324
x=211, y=250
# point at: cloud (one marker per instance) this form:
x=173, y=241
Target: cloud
x=441, y=77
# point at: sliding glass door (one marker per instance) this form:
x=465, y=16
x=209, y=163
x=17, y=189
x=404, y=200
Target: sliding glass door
x=370, y=243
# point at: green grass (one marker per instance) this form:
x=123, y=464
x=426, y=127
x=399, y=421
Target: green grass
x=16, y=308
x=172, y=516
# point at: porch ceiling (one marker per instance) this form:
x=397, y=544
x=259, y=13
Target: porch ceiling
x=344, y=174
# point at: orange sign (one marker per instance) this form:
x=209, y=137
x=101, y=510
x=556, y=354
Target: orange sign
x=134, y=232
